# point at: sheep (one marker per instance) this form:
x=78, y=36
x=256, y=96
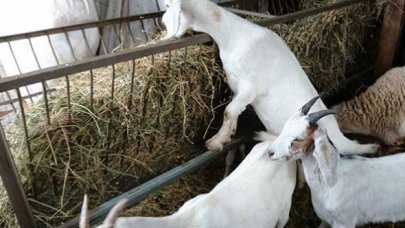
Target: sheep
x=257, y=194
x=379, y=111
x=261, y=71
x=346, y=190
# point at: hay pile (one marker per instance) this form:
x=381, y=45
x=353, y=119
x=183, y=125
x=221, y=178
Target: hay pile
x=118, y=143
x=327, y=43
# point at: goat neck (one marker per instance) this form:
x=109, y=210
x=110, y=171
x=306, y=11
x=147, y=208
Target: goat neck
x=223, y=26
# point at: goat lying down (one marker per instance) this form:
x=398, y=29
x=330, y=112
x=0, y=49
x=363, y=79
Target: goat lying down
x=379, y=111
x=261, y=71
x=257, y=194
x=346, y=190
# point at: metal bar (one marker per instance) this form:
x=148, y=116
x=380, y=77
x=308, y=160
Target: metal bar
x=33, y=52
x=12, y=183
x=27, y=140
x=15, y=59
x=91, y=90
x=307, y=12
x=142, y=191
x=70, y=45
x=90, y=24
x=82, y=25
x=48, y=118
x=112, y=88
x=53, y=49
x=98, y=61
x=131, y=91
x=144, y=31
x=59, y=71
x=130, y=31
x=249, y=13
x=68, y=97
x=11, y=101
x=87, y=43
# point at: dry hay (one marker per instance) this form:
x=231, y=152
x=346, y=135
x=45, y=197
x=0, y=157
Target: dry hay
x=121, y=141
x=170, y=198
x=327, y=43
x=108, y=148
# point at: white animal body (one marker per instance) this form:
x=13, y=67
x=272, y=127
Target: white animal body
x=257, y=194
x=261, y=71
x=349, y=190
x=21, y=16
x=379, y=111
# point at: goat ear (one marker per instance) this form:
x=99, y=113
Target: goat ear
x=171, y=19
x=115, y=213
x=84, y=214
x=327, y=157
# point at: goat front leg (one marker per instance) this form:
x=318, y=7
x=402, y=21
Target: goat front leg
x=244, y=96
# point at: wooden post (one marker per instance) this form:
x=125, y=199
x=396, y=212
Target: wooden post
x=14, y=188
x=390, y=36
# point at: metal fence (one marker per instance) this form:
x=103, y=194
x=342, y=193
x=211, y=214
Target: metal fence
x=8, y=170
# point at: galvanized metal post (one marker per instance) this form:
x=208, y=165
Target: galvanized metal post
x=12, y=183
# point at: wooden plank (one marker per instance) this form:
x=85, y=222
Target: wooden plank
x=142, y=191
x=390, y=36
x=14, y=188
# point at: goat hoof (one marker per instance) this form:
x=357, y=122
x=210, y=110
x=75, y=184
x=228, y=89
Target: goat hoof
x=214, y=145
x=400, y=142
x=368, y=148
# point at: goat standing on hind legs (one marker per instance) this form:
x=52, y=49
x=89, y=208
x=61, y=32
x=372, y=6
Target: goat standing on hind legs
x=261, y=71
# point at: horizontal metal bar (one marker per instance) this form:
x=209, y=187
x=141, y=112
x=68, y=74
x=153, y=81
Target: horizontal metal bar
x=142, y=191
x=74, y=27
x=307, y=12
x=25, y=97
x=87, y=25
x=8, y=83
x=99, y=61
x=249, y=13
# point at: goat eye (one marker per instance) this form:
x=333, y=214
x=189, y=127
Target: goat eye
x=167, y=5
x=298, y=140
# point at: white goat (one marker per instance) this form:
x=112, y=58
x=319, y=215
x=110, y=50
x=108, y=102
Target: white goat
x=36, y=53
x=257, y=194
x=348, y=190
x=379, y=111
x=261, y=70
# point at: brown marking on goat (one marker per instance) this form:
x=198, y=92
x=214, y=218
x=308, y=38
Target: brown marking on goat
x=325, y=152
x=227, y=116
x=307, y=144
x=215, y=13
